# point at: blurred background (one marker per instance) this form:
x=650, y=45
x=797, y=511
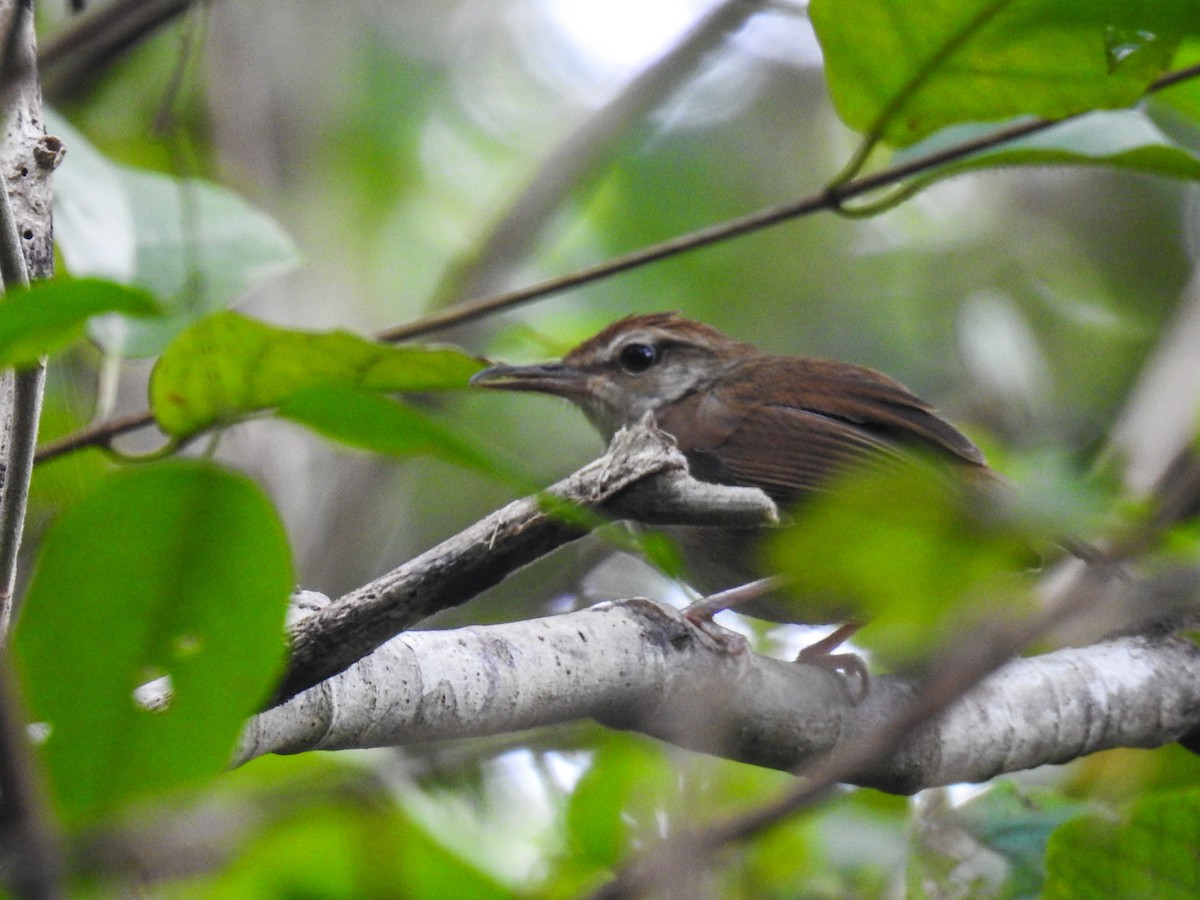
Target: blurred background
x=390, y=141
x=423, y=153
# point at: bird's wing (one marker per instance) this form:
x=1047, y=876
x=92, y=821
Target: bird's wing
x=816, y=415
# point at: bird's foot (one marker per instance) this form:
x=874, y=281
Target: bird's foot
x=700, y=613
x=707, y=607
x=849, y=665
x=729, y=641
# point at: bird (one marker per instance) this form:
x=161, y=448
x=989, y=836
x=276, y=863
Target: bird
x=785, y=424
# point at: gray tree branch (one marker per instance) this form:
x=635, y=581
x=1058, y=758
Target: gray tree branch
x=637, y=665
x=642, y=476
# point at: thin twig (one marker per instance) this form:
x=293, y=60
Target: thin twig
x=100, y=435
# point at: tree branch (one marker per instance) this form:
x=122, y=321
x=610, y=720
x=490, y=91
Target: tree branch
x=641, y=476
x=634, y=664
x=25, y=252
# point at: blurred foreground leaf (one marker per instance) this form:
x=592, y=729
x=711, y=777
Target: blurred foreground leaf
x=1151, y=852
x=617, y=802
x=229, y=365
x=49, y=315
x=363, y=851
x=1122, y=773
x=179, y=570
x=900, y=546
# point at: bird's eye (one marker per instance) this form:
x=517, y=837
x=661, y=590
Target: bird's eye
x=638, y=357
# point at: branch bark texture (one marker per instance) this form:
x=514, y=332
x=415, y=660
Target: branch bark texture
x=634, y=664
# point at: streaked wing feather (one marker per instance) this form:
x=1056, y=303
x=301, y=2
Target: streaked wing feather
x=808, y=448
x=817, y=415
x=853, y=394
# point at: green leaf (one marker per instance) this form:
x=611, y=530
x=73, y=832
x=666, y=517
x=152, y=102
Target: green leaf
x=180, y=569
x=1151, y=852
x=49, y=315
x=228, y=365
x=902, y=546
x=371, y=422
x=194, y=244
x=902, y=69
x=618, y=800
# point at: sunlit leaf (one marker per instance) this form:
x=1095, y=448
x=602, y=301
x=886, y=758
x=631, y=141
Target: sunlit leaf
x=196, y=245
x=1151, y=852
x=903, y=69
x=179, y=570
x=228, y=365
x=49, y=315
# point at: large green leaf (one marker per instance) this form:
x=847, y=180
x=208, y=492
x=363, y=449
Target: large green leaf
x=1149, y=853
x=902, y=69
x=179, y=570
x=194, y=244
x=49, y=315
x=228, y=365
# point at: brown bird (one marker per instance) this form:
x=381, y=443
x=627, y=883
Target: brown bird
x=785, y=424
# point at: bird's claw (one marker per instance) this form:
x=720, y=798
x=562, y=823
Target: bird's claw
x=729, y=641
x=849, y=665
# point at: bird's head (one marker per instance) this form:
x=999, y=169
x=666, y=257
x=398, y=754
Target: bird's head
x=634, y=366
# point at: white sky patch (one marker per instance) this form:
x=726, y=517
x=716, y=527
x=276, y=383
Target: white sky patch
x=618, y=35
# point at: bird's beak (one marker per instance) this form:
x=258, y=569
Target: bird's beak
x=551, y=378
